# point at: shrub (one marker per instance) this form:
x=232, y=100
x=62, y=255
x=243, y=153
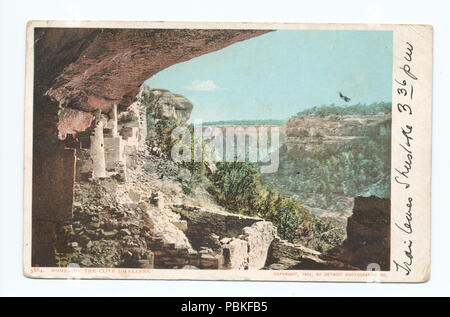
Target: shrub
x=237, y=186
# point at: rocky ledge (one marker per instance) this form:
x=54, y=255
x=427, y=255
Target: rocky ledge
x=368, y=236
x=307, y=132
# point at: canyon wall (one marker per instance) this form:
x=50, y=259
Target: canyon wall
x=87, y=69
x=368, y=235
x=327, y=160
x=335, y=131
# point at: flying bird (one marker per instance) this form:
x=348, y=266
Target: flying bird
x=345, y=98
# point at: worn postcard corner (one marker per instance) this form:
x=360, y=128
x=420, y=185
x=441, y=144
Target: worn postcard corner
x=228, y=151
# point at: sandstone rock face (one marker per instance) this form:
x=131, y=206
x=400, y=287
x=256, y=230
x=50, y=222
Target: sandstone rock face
x=73, y=121
x=86, y=69
x=171, y=105
x=368, y=235
x=284, y=255
x=235, y=253
x=259, y=236
x=308, y=131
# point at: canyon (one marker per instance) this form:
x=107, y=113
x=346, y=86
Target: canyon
x=334, y=140
x=335, y=132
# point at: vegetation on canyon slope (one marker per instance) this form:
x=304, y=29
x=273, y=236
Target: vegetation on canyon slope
x=363, y=169
x=323, y=175
x=357, y=109
x=240, y=188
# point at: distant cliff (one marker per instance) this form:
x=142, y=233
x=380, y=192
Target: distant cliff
x=334, y=131
x=327, y=159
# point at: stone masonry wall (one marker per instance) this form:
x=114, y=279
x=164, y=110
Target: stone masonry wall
x=202, y=223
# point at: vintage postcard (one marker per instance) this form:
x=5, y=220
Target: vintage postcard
x=228, y=151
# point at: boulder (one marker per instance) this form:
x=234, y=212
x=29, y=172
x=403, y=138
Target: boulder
x=167, y=105
x=259, y=236
x=368, y=235
x=212, y=262
x=235, y=254
x=284, y=255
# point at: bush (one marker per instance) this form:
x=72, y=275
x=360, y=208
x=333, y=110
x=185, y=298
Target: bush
x=237, y=186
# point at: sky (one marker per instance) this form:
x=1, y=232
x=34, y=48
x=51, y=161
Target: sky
x=276, y=75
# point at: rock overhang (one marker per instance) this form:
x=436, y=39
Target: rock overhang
x=85, y=69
